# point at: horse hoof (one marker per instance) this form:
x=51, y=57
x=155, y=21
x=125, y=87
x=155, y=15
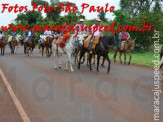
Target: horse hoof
x=55, y=68
x=59, y=67
x=65, y=69
x=72, y=71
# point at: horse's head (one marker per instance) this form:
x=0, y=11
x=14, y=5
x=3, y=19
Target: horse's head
x=115, y=40
x=79, y=39
x=132, y=43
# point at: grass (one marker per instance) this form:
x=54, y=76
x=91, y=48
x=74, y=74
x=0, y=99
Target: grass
x=143, y=58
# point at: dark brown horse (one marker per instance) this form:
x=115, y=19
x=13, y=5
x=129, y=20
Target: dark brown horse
x=128, y=47
x=12, y=44
x=2, y=45
x=29, y=46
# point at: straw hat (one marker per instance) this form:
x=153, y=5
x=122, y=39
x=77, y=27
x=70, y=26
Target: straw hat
x=81, y=20
x=97, y=19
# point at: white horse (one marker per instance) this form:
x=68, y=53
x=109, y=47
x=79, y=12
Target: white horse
x=69, y=49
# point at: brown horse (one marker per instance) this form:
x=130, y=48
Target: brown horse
x=12, y=44
x=48, y=45
x=29, y=46
x=2, y=45
x=129, y=45
x=41, y=48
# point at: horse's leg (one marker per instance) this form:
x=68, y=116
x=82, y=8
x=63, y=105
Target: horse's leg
x=50, y=51
x=109, y=62
x=103, y=62
x=70, y=62
x=94, y=58
x=130, y=58
x=75, y=56
x=115, y=54
x=90, y=57
x=42, y=50
x=81, y=55
x=98, y=62
x=39, y=48
x=1, y=51
x=120, y=54
x=59, y=63
x=124, y=57
x=83, y=60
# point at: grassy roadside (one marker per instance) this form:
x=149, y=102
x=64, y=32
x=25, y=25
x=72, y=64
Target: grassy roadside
x=144, y=58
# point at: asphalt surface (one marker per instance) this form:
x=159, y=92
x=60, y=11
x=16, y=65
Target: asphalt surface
x=49, y=95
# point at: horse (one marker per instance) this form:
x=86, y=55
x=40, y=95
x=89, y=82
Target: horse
x=2, y=45
x=48, y=45
x=102, y=49
x=128, y=47
x=12, y=44
x=69, y=49
x=29, y=46
x=41, y=48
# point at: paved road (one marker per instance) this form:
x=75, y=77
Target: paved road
x=48, y=95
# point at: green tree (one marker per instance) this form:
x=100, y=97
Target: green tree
x=102, y=15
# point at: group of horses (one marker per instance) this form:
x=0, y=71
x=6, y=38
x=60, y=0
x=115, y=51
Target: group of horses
x=106, y=43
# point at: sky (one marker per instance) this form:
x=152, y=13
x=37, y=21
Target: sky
x=6, y=17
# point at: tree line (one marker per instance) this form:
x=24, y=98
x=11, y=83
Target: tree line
x=132, y=12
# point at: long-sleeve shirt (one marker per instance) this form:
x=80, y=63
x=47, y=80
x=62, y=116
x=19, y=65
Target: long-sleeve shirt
x=80, y=27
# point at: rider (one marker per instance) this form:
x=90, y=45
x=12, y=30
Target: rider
x=47, y=33
x=79, y=26
x=123, y=37
x=41, y=37
x=1, y=35
x=28, y=34
x=65, y=33
x=11, y=35
x=96, y=33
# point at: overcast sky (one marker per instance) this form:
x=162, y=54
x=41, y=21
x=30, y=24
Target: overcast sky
x=6, y=17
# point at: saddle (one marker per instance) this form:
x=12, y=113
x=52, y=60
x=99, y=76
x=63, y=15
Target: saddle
x=62, y=40
x=87, y=42
x=124, y=45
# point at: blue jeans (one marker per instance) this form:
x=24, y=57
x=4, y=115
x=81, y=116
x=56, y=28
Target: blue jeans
x=27, y=38
x=119, y=45
x=90, y=48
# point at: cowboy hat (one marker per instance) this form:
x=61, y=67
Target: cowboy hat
x=97, y=19
x=81, y=20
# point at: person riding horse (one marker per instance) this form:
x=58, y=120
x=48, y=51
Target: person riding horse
x=28, y=34
x=95, y=34
x=41, y=38
x=13, y=35
x=123, y=38
x=1, y=34
x=78, y=28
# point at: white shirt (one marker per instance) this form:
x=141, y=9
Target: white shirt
x=96, y=33
x=42, y=36
x=18, y=35
x=80, y=27
x=48, y=32
x=29, y=33
x=1, y=35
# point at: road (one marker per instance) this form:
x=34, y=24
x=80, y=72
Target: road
x=49, y=95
